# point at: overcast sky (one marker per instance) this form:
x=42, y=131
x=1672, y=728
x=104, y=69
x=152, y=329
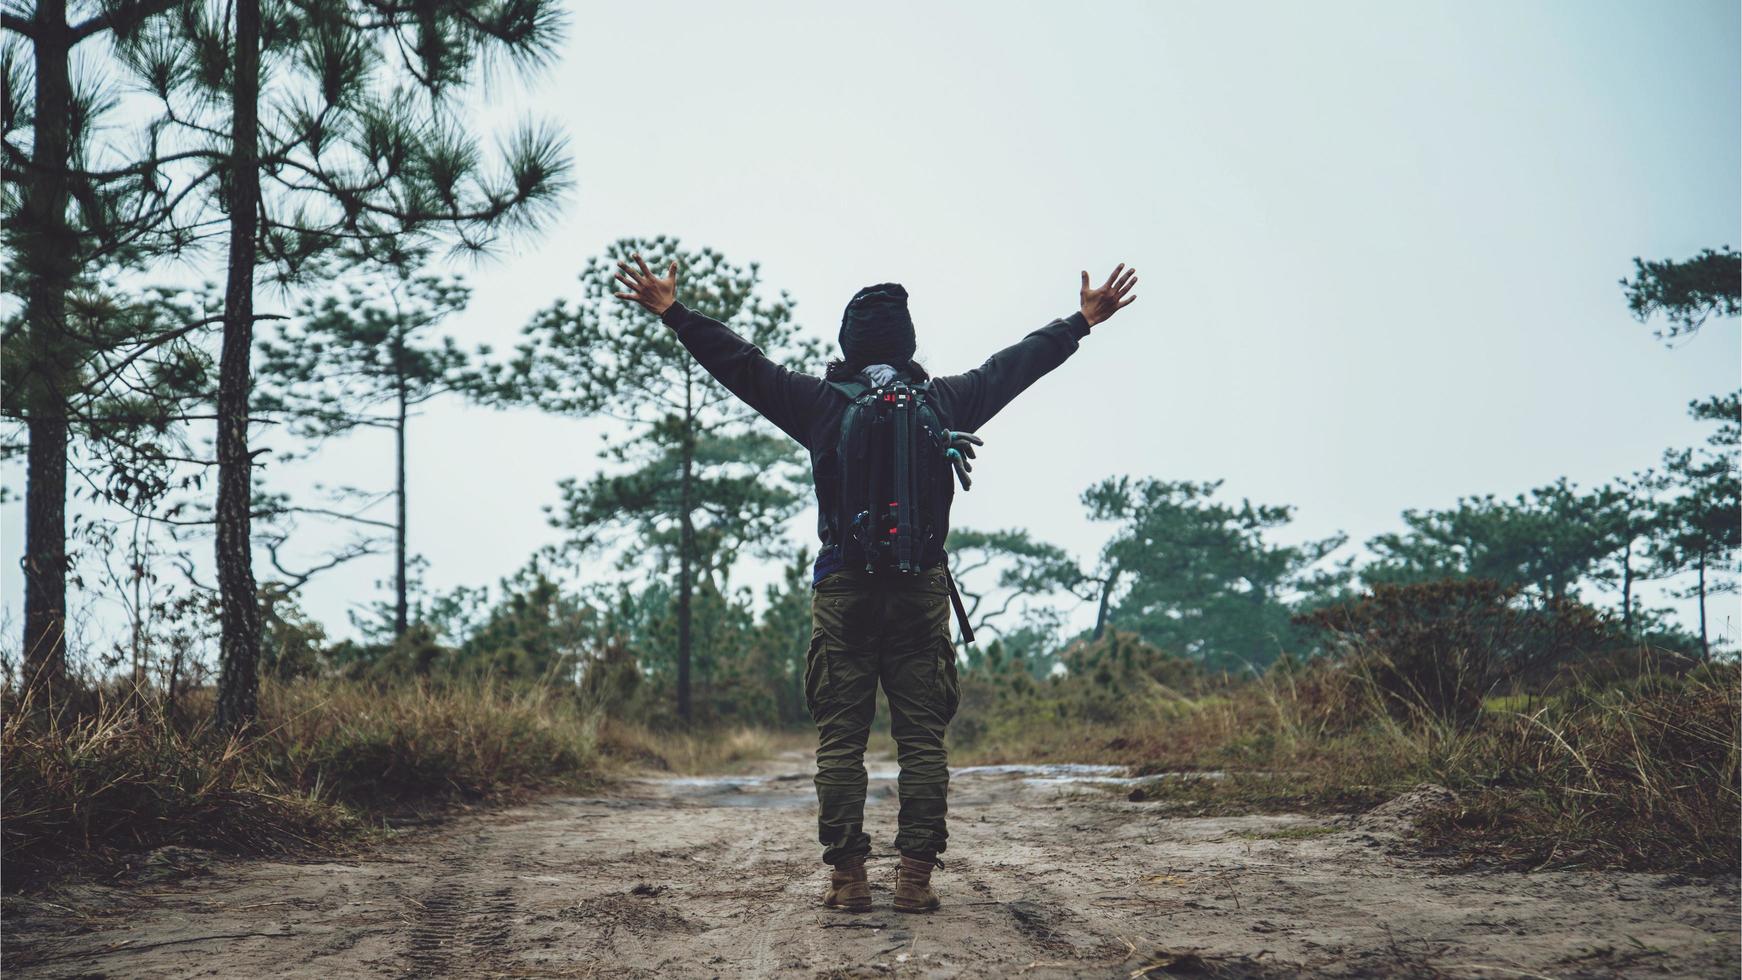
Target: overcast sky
x=1379, y=243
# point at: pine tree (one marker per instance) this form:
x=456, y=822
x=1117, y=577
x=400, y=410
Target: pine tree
x=1627, y=511
x=1027, y=569
x=1202, y=578
x=1686, y=293
x=1548, y=540
x=697, y=482
x=364, y=358
x=82, y=206
x=1701, y=526
x=337, y=125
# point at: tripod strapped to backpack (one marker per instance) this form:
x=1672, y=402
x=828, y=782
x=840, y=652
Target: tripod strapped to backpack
x=898, y=463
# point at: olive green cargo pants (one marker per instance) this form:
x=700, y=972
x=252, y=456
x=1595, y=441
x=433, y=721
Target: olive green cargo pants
x=893, y=629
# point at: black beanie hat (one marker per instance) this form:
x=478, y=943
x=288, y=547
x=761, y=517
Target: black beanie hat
x=876, y=328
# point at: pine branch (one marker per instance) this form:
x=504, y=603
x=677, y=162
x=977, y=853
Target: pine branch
x=298, y=579
x=139, y=169
x=485, y=215
x=152, y=343
x=355, y=517
x=145, y=222
x=214, y=133
x=116, y=16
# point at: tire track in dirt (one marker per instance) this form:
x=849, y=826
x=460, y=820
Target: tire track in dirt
x=459, y=928
x=778, y=912
x=435, y=932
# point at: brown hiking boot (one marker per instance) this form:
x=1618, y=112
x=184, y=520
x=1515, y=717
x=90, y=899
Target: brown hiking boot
x=848, y=889
x=913, y=885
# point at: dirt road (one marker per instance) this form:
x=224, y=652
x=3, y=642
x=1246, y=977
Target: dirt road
x=1047, y=876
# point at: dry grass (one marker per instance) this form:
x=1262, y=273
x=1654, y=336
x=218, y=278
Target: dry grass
x=126, y=773
x=1641, y=777
x=1642, y=774
x=696, y=752
x=406, y=743
x=121, y=778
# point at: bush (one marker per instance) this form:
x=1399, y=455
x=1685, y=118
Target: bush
x=1118, y=678
x=1442, y=648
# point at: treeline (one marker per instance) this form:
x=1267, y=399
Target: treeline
x=323, y=146
x=1210, y=579
x=1185, y=572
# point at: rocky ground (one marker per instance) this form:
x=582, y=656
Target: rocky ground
x=1051, y=872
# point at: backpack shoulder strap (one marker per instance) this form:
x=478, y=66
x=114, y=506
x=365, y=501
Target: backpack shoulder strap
x=851, y=464
x=853, y=389
x=856, y=392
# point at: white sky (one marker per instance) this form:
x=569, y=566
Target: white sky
x=1379, y=243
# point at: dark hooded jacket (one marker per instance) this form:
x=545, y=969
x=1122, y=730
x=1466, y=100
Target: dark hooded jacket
x=809, y=410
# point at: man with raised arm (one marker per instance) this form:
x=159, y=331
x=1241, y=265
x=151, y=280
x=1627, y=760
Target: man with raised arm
x=886, y=441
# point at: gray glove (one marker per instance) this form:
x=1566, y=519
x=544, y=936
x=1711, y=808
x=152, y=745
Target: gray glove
x=961, y=449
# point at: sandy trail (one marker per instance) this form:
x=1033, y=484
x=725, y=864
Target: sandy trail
x=1047, y=876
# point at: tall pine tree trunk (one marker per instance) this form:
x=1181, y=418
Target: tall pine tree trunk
x=138, y=624
x=1705, y=644
x=1627, y=588
x=401, y=604
x=686, y=547
x=239, y=647
x=45, y=543
x=1106, y=600
x=47, y=264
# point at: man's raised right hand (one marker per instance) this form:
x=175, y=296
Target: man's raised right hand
x=1110, y=297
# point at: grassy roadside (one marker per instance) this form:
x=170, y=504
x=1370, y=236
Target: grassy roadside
x=1641, y=774
x=331, y=761
x=1634, y=772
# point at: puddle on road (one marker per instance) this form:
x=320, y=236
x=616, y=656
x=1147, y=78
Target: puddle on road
x=794, y=789
x=718, y=782
x=1051, y=770
x=1070, y=773
x=749, y=791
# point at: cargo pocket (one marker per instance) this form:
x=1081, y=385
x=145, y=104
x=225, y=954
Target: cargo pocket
x=949, y=684
x=816, y=673
x=828, y=610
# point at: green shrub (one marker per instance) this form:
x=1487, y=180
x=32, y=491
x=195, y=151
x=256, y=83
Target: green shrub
x=1442, y=648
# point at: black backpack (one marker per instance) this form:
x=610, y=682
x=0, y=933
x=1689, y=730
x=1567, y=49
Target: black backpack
x=896, y=481
x=894, y=477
